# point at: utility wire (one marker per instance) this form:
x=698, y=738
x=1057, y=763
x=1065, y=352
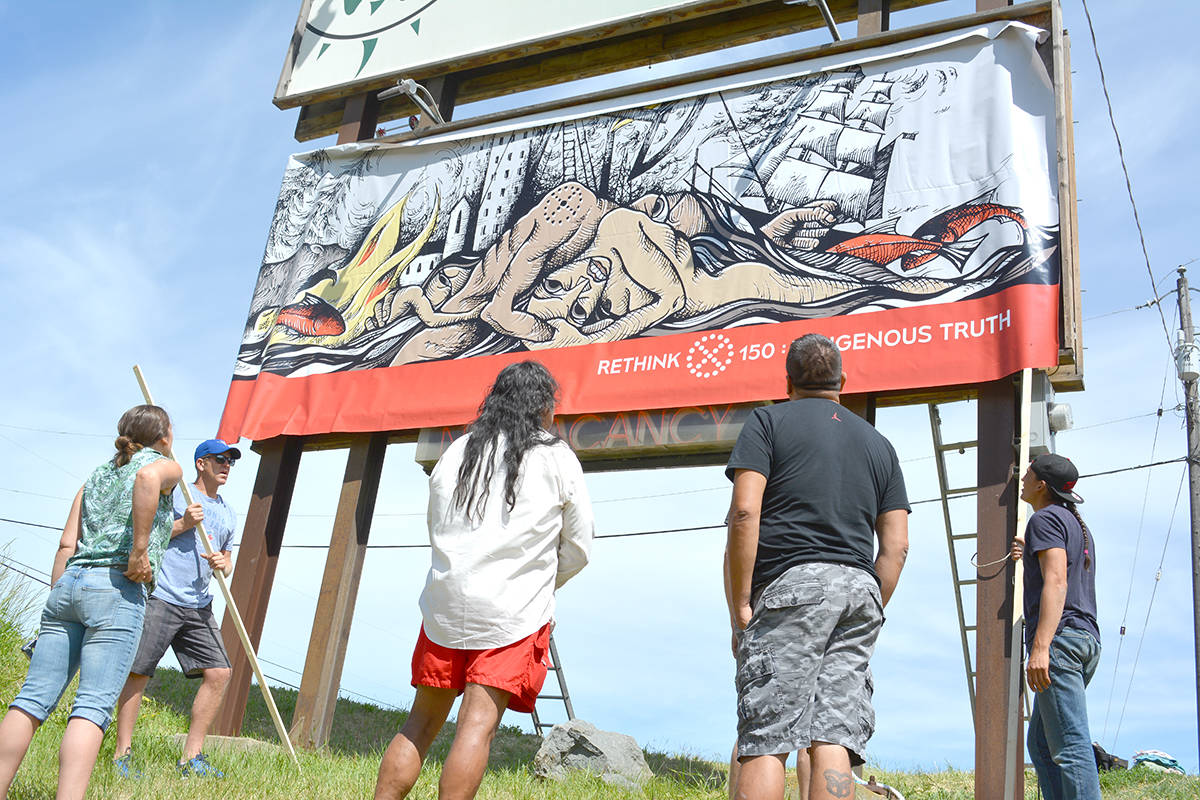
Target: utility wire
x=1149, y=606
x=1136, y=549
x=1125, y=169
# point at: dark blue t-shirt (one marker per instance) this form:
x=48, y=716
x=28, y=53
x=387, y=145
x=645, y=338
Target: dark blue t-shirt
x=830, y=475
x=1056, y=527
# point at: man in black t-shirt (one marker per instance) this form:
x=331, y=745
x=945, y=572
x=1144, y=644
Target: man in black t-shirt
x=813, y=485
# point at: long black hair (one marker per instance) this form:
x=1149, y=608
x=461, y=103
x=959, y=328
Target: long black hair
x=516, y=406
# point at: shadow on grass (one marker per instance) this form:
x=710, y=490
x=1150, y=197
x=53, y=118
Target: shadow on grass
x=688, y=770
x=358, y=728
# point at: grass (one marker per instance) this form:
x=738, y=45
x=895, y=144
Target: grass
x=347, y=766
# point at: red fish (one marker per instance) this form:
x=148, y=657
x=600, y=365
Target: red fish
x=312, y=316
x=951, y=225
x=884, y=248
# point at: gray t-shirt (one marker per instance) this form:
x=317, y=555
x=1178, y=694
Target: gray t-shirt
x=184, y=577
x=830, y=475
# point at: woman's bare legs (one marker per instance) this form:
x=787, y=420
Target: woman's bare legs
x=16, y=732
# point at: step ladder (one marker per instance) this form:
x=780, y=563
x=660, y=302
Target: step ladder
x=555, y=667
x=961, y=585
x=947, y=493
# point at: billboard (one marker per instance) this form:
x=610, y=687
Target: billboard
x=344, y=43
x=662, y=252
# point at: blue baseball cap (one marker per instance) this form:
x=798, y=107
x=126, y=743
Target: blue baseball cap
x=214, y=447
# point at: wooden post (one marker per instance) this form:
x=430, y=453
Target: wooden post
x=359, y=119
x=874, y=16
x=255, y=573
x=991, y=5
x=996, y=517
x=322, y=676
x=861, y=404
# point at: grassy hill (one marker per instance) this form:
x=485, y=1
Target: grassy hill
x=347, y=767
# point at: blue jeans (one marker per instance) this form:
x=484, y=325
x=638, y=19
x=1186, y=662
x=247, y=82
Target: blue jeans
x=92, y=623
x=1060, y=745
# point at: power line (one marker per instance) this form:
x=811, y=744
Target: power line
x=1136, y=549
x=1125, y=169
x=1149, y=606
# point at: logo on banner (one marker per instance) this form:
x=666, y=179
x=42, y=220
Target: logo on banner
x=710, y=355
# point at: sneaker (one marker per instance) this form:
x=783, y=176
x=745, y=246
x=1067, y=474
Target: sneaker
x=198, y=766
x=124, y=768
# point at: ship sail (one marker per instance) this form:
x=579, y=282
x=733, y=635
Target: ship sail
x=797, y=182
x=860, y=147
x=873, y=113
x=827, y=102
x=880, y=90
x=817, y=136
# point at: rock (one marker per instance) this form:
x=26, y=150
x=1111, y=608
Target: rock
x=579, y=745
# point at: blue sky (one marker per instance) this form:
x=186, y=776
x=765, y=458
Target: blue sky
x=142, y=157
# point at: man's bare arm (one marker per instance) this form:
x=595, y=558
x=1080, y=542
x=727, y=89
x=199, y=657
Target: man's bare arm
x=744, y=514
x=892, y=529
x=1053, y=563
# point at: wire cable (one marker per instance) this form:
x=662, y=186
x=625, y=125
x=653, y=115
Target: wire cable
x=1125, y=169
x=1136, y=549
x=1149, y=606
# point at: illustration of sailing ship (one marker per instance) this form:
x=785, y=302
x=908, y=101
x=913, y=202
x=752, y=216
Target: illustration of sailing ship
x=834, y=150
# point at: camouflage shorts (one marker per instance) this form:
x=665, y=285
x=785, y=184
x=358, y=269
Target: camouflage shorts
x=802, y=665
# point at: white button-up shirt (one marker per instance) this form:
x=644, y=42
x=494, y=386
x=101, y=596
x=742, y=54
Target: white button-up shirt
x=492, y=581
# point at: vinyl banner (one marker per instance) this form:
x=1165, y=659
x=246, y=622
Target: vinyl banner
x=664, y=251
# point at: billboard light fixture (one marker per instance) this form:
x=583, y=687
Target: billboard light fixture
x=824, y=7
x=418, y=94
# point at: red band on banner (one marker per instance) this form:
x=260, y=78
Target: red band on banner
x=970, y=341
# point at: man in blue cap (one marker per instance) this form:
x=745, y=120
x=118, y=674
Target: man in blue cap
x=179, y=612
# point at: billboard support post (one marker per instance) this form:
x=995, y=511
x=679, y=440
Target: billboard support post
x=996, y=516
x=317, y=699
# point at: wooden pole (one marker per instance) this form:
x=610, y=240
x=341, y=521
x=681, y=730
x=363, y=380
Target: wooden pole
x=997, y=501
x=319, y=683
x=230, y=606
x=1192, y=409
x=1014, y=744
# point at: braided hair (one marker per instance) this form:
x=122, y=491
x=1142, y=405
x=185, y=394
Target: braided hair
x=521, y=397
x=1087, y=544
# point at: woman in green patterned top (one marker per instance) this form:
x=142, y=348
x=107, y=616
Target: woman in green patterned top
x=119, y=524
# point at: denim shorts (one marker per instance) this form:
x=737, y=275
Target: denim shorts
x=91, y=624
x=803, y=671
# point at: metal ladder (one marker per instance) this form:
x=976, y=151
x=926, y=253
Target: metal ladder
x=947, y=493
x=539, y=726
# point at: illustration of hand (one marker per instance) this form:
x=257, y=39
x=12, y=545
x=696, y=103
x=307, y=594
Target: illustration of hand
x=802, y=228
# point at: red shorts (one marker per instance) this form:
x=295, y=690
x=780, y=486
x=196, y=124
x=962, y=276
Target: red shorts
x=518, y=668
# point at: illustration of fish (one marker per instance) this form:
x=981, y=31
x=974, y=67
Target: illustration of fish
x=884, y=248
x=951, y=225
x=335, y=308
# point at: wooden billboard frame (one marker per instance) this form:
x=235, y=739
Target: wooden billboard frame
x=700, y=27
x=997, y=409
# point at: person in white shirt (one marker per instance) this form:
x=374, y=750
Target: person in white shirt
x=510, y=521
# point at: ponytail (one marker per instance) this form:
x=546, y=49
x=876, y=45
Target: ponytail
x=1087, y=556
x=140, y=426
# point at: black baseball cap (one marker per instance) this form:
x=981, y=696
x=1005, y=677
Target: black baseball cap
x=1059, y=474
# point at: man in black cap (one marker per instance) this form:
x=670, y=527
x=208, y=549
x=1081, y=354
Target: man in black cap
x=1062, y=638
x=179, y=612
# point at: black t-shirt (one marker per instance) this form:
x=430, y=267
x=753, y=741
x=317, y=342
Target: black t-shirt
x=1055, y=526
x=830, y=475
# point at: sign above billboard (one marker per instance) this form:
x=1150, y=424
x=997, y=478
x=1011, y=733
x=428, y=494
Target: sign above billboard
x=663, y=253
x=344, y=43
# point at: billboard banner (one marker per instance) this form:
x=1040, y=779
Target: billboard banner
x=664, y=251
